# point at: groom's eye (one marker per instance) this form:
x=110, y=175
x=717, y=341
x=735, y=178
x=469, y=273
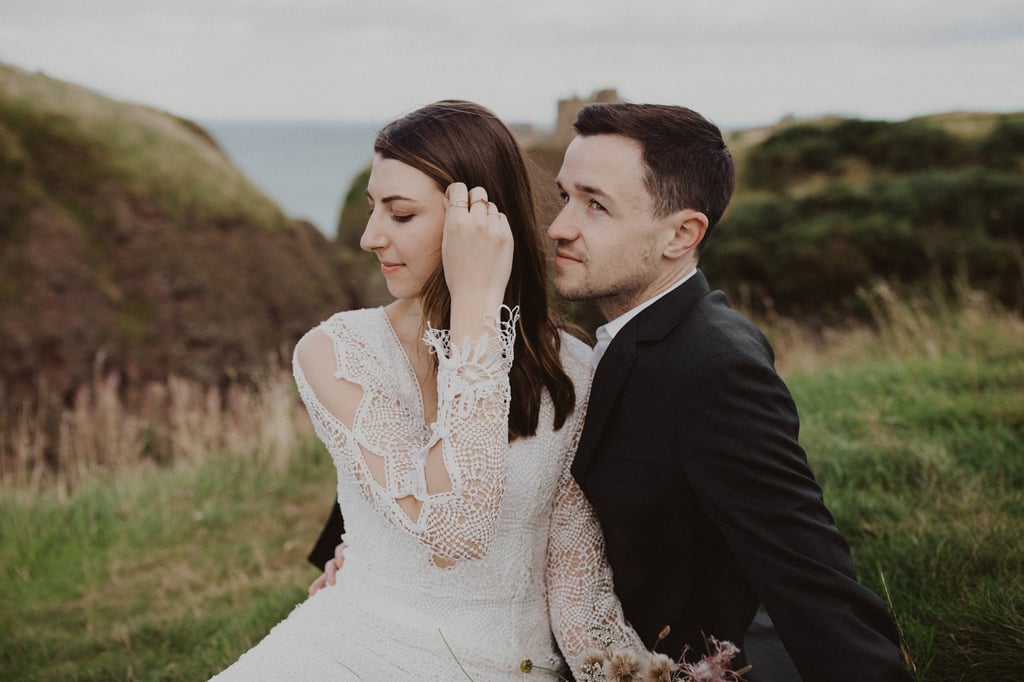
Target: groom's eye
x=596, y=206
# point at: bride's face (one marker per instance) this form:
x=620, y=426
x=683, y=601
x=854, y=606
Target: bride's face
x=405, y=225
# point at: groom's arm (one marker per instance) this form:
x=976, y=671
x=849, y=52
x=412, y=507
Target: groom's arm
x=745, y=464
x=330, y=538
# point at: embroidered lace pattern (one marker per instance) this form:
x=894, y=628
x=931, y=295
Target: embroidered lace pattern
x=528, y=549
x=581, y=598
x=471, y=425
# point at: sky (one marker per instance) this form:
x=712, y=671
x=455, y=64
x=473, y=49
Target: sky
x=739, y=62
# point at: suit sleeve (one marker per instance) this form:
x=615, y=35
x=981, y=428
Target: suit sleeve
x=743, y=461
x=330, y=537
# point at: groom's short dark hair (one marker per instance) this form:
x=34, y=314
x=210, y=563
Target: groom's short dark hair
x=688, y=163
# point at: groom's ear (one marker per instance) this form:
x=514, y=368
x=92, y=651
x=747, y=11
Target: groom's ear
x=690, y=226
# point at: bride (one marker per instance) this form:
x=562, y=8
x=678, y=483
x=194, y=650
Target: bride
x=451, y=415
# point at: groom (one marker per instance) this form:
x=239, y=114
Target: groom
x=689, y=454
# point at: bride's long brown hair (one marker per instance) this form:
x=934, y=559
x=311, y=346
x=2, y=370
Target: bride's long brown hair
x=458, y=141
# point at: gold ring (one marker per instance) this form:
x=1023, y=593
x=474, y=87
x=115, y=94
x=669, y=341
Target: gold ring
x=461, y=203
x=483, y=199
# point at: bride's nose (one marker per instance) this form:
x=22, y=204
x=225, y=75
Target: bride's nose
x=373, y=236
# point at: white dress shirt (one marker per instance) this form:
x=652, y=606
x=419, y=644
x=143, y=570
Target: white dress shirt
x=607, y=331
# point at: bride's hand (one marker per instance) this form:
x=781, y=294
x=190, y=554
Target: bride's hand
x=476, y=248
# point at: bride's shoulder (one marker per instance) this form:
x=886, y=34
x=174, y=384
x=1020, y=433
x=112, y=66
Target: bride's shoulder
x=325, y=343
x=353, y=320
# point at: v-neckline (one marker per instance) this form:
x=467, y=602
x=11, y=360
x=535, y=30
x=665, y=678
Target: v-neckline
x=409, y=369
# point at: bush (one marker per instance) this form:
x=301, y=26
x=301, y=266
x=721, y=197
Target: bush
x=1004, y=146
x=912, y=146
x=810, y=255
x=800, y=151
x=790, y=154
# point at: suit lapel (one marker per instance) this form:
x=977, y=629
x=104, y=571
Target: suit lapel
x=650, y=326
x=612, y=372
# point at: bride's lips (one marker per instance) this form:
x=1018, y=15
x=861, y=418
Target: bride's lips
x=388, y=268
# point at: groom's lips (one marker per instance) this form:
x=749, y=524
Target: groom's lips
x=565, y=258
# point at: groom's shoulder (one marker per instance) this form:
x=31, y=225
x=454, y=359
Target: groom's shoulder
x=718, y=328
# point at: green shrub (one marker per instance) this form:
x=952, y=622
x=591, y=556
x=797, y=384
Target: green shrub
x=810, y=255
x=790, y=154
x=1004, y=146
x=912, y=146
x=799, y=151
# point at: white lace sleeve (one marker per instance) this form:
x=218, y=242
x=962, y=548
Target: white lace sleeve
x=473, y=395
x=471, y=429
x=581, y=599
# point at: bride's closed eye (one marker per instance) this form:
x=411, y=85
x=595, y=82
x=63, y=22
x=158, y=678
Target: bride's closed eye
x=397, y=217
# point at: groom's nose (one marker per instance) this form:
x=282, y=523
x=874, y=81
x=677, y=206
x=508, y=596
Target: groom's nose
x=562, y=228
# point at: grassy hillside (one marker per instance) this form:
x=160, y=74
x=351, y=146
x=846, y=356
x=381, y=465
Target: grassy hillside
x=62, y=144
x=132, y=248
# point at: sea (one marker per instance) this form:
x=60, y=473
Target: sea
x=306, y=167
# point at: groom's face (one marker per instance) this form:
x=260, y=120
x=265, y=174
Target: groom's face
x=609, y=244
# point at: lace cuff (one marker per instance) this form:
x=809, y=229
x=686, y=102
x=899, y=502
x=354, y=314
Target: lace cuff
x=472, y=429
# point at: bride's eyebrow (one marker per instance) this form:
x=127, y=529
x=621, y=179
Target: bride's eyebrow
x=390, y=198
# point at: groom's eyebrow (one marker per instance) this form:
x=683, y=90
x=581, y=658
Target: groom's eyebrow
x=586, y=189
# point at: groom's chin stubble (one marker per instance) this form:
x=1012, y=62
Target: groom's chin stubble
x=571, y=294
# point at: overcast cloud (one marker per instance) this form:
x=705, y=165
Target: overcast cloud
x=739, y=62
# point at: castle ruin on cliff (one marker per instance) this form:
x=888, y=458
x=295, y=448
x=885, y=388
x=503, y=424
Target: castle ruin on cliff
x=567, y=109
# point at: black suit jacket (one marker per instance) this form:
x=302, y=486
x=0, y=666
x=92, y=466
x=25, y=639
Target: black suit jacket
x=330, y=536
x=690, y=458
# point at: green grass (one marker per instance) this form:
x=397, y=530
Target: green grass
x=915, y=429
x=921, y=465
x=918, y=447
x=163, y=576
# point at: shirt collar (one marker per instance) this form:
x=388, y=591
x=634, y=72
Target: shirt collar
x=607, y=331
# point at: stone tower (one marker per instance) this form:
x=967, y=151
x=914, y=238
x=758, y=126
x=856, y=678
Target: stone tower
x=567, y=109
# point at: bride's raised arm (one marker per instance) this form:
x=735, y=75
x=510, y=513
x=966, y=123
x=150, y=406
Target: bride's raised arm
x=443, y=487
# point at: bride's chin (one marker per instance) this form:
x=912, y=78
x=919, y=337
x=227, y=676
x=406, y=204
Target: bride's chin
x=404, y=292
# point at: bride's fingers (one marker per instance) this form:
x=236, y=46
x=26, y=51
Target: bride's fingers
x=478, y=204
x=477, y=194
x=457, y=196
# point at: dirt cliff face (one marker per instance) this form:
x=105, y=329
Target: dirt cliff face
x=129, y=240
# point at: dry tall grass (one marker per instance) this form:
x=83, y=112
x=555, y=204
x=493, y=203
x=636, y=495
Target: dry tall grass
x=167, y=423
x=902, y=326
x=103, y=432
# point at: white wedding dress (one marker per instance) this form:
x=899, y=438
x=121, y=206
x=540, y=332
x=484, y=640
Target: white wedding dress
x=528, y=555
